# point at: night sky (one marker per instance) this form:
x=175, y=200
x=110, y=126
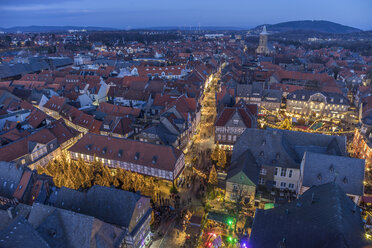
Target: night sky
x=152, y=13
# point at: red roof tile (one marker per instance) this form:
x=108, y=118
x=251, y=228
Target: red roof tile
x=117, y=110
x=20, y=147
x=126, y=150
x=55, y=103
x=22, y=186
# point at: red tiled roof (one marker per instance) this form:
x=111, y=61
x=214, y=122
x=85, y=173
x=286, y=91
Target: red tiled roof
x=22, y=186
x=26, y=105
x=35, y=191
x=5, y=84
x=14, y=134
x=295, y=75
x=36, y=117
x=143, y=71
x=185, y=105
x=225, y=116
x=136, y=95
x=94, y=145
x=140, y=86
x=286, y=87
x=62, y=132
x=247, y=113
x=96, y=126
x=163, y=100
x=130, y=79
x=55, y=103
x=117, y=110
x=124, y=126
x=20, y=147
x=80, y=118
x=269, y=66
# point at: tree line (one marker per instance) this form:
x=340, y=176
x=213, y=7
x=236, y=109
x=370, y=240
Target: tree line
x=77, y=174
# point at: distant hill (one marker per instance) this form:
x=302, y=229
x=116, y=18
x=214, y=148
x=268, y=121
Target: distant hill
x=40, y=29
x=31, y=29
x=194, y=28
x=317, y=26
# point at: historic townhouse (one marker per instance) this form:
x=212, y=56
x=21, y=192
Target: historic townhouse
x=54, y=106
x=232, y=122
x=39, y=147
x=278, y=155
x=165, y=162
x=317, y=104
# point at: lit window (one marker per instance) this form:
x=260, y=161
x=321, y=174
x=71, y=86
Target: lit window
x=283, y=172
x=263, y=171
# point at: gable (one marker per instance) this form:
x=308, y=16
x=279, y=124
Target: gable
x=241, y=178
x=235, y=120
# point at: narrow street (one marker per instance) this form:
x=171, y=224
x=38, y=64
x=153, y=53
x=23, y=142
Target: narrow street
x=204, y=138
x=197, y=156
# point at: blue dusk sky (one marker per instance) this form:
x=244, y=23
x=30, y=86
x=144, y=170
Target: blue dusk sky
x=152, y=13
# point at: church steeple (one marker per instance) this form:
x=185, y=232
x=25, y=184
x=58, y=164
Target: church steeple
x=264, y=32
x=262, y=46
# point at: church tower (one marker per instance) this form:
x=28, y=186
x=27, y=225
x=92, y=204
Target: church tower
x=262, y=46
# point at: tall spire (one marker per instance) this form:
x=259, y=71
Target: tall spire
x=264, y=30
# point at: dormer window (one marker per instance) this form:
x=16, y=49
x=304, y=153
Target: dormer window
x=236, y=122
x=89, y=147
x=341, y=100
x=154, y=159
x=331, y=168
x=303, y=97
x=104, y=150
x=136, y=157
x=294, y=96
x=120, y=153
x=332, y=99
x=319, y=177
